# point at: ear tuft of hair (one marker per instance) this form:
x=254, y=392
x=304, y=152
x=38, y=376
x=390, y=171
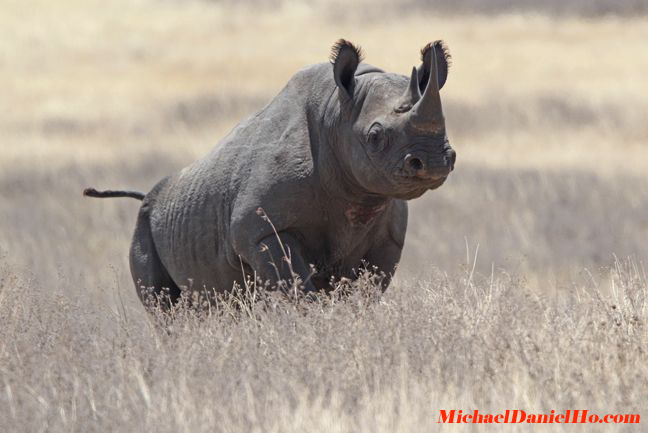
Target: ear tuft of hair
x=342, y=44
x=439, y=46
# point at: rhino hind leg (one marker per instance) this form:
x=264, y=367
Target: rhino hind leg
x=153, y=284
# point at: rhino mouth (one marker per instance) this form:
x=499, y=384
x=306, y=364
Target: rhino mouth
x=413, y=188
x=437, y=182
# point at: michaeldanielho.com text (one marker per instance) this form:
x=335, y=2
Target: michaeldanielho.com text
x=519, y=416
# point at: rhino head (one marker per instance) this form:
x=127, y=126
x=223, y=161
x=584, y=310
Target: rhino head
x=391, y=134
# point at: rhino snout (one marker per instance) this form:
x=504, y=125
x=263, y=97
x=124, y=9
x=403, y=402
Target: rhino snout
x=429, y=167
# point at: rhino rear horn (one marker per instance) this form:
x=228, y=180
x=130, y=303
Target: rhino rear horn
x=411, y=95
x=345, y=58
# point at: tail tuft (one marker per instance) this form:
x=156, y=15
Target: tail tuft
x=91, y=192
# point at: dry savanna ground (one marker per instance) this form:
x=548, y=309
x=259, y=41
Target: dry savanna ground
x=522, y=284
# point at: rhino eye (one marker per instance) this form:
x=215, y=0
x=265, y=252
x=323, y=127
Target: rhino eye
x=375, y=136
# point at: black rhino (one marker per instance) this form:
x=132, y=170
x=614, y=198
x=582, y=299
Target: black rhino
x=321, y=174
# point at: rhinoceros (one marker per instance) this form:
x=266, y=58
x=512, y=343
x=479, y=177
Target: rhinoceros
x=310, y=189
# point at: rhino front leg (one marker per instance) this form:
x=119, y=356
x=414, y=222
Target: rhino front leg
x=385, y=257
x=279, y=258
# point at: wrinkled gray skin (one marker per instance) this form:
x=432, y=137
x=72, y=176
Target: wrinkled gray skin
x=331, y=160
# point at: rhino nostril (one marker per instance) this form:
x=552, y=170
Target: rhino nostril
x=451, y=157
x=416, y=164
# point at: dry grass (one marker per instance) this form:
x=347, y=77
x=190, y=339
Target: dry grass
x=456, y=342
x=547, y=116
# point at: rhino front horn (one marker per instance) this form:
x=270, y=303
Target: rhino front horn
x=427, y=114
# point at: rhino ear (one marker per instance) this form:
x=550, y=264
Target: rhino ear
x=443, y=59
x=345, y=58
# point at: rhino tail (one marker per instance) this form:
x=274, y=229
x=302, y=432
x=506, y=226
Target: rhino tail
x=91, y=192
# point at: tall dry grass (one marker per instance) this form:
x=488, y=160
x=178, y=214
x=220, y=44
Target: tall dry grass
x=356, y=364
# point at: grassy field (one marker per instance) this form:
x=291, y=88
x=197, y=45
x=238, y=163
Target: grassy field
x=522, y=284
